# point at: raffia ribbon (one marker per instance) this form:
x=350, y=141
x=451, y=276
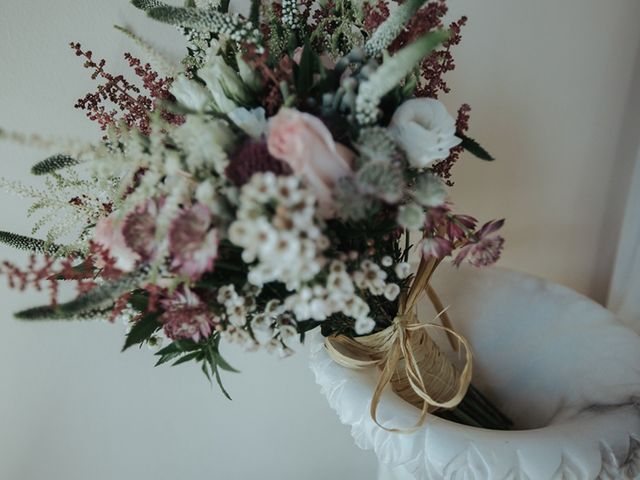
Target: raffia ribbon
x=408, y=358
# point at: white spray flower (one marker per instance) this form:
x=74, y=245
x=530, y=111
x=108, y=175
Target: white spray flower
x=425, y=131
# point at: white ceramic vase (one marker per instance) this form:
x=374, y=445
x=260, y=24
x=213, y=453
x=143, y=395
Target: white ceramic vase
x=561, y=366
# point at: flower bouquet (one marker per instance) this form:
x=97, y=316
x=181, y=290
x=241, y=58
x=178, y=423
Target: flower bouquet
x=273, y=184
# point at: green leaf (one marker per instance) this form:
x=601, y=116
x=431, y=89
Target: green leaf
x=142, y=330
x=254, y=14
x=473, y=147
x=179, y=346
x=53, y=163
x=223, y=364
x=187, y=357
x=224, y=6
x=216, y=372
x=305, y=70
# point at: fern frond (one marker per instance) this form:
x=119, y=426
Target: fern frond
x=388, y=30
x=147, y=5
x=97, y=299
x=53, y=163
x=159, y=62
x=234, y=26
x=35, y=245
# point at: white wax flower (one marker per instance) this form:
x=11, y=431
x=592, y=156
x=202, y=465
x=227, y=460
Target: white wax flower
x=424, y=130
x=190, y=93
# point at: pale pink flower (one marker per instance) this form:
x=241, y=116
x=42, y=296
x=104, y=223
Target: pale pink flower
x=303, y=141
x=186, y=316
x=193, y=244
x=108, y=234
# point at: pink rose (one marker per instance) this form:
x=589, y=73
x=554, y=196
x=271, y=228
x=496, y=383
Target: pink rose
x=109, y=235
x=302, y=141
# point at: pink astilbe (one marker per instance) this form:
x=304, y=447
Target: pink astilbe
x=40, y=273
x=375, y=14
x=439, y=63
x=45, y=272
x=443, y=167
x=129, y=105
x=187, y=316
x=193, y=243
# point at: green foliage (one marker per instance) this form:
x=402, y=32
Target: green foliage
x=238, y=29
x=207, y=353
x=147, y=5
x=392, y=72
x=97, y=299
x=30, y=244
x=473, y=147
x=53, y=164
x=142, y=329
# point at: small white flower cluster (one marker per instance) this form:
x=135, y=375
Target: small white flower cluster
x=372, y=277
x=276, y=228
x=237, y=307
x=337, y=295
x=290, y=14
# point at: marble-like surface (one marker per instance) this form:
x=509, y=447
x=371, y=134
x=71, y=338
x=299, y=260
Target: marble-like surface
x=561, y=366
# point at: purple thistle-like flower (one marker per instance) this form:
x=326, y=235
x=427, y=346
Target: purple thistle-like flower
x=186, y=316
x=486, y=249
x=193, y=244
x=251, y=158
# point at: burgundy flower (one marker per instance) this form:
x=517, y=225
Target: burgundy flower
x=186, y=316
x=253, y=157
x=193, y=244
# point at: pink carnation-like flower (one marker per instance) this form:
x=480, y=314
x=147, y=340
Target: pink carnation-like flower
x=193, y=244
x=303, y=141
x=139, y=229
x=186, y=316
x=108, y=234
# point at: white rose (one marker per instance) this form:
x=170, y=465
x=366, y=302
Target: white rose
x=423, y=128
x=252, y=122
x=226, y=86
x=190, y=93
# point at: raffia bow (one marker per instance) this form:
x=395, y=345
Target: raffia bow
x=408, y=358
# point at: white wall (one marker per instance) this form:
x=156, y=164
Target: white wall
x=548, y=81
